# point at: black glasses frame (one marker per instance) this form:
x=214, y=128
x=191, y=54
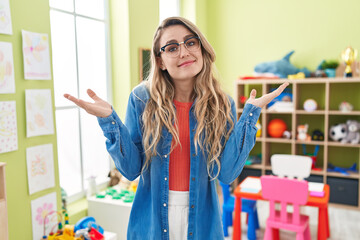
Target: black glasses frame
x=162, y=49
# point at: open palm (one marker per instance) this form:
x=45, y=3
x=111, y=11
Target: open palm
x=267, y=98
x=99, y=107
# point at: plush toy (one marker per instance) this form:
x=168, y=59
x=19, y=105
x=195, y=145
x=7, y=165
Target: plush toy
x=338, y=132
x=353, y=135
x=302, y=133
x=281, y=68
x=114, y=176
x=317, y=135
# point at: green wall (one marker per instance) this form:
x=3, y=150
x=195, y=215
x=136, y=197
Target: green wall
x=245, y=33
x=31, y=16
x=133, y=23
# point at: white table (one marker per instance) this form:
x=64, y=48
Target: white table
x=112, y=215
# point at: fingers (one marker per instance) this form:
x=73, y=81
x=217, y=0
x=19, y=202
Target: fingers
x=281, y=88
x=92, y=94
x=253, y=94
x=75, y=100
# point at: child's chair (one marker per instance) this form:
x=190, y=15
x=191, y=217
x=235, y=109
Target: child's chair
x=248, y=206
x=291, y=166
x=286, y=191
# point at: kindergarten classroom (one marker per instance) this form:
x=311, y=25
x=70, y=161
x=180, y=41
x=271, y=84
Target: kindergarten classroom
x=56, y=178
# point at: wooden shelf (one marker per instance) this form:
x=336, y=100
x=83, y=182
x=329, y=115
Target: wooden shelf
x=254, y=166
x=339, y=144
x=310, y=142
x=351, y=175
x=316, y=112
x=278, y=140
x=322, y=119
x=336, y=112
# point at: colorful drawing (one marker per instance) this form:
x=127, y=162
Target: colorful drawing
x=40, y=167
x=36, y=56
x=39, y=115
x=40, y=210
x=8, y=127
x=7, y=81
x=5, y=18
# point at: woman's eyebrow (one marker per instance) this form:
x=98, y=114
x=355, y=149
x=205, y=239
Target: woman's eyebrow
x=174, y=41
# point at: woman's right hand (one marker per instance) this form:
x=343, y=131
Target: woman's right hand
x=99, y=108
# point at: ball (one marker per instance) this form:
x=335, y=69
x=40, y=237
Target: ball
x=276, y=128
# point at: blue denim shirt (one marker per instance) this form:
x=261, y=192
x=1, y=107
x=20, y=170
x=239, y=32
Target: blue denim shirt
x=149, y=213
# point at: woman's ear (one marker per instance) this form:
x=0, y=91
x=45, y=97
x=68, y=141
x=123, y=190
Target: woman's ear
x=160, y=63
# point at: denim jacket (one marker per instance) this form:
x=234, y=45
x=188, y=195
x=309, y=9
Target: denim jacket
x=149, y=213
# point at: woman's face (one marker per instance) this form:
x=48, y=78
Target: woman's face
x=188, y=62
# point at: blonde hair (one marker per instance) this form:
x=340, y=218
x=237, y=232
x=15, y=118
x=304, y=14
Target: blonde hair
x=212, y=107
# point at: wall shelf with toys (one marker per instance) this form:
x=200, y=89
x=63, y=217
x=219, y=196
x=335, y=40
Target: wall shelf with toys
x=299, y=123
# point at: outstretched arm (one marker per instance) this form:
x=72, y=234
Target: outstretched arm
x=243, y=137
x=124, y=148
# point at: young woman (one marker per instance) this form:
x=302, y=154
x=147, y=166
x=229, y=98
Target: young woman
x=180, y=134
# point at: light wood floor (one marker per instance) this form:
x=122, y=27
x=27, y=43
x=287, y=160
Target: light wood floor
x=344, y=223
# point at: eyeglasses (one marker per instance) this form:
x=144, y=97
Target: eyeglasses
x=173, y=49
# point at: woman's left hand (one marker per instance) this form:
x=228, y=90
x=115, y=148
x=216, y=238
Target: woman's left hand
x=267, y=98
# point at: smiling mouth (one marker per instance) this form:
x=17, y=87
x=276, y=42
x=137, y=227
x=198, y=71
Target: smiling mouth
x=186, y=63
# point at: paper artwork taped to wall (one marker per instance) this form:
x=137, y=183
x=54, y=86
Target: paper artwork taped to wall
x=36, y=56
x=40, y=167
x=39, y=115
x=8, y=127
x=7, y=80
x=43, y=211
x=5, y=17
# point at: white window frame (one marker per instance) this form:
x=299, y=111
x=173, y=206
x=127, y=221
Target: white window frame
x=168, y=8
x=106, y=20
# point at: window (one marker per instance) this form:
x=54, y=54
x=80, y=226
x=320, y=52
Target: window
x=168, y=8
x=79, y=37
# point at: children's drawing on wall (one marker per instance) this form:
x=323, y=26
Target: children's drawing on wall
x=41, y=209
x=5, y=17
x=8, y=127
x=40, y=167
x=36, y=56
x=7, y=81
x=39, y=115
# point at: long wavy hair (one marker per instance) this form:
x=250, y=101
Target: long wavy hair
x=212, y=107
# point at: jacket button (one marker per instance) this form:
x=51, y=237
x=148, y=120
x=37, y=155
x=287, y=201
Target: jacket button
x=165, y=230
x=192, y=206
x=165, y=179
x=113, y=122
x=250, y=114
x=165, y=156
x=193, y=179
x=193, y=130
x=190, y=234
x=194, y=155
x=164, y=204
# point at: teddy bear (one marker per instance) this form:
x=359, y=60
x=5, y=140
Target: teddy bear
x=353, y=135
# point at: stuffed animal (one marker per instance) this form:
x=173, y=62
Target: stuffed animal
x=353, y=135
x=281, y=68
x=302, y=133
x=114, y=176
x=338, y=132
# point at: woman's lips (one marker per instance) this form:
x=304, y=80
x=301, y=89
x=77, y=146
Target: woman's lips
x=187, y=63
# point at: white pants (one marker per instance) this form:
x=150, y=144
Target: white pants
x=178, y=214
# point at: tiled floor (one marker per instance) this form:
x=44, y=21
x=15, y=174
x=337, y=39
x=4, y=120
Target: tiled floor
x=344, y=223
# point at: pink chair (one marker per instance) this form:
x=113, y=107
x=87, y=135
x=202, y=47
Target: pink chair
x=286, y=191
